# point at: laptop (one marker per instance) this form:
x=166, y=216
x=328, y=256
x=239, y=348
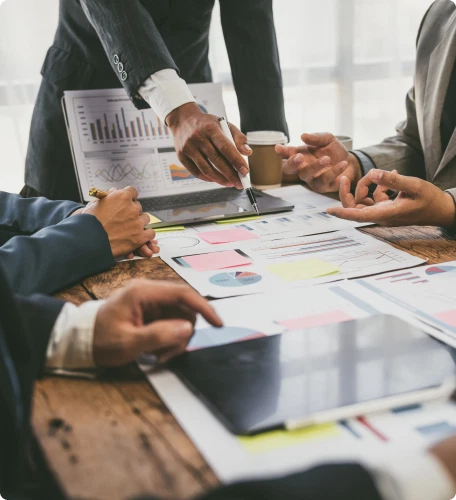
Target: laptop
x=115, y=145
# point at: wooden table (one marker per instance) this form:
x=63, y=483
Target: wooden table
x=114, y=438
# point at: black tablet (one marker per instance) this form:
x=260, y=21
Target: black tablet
x=318, y=374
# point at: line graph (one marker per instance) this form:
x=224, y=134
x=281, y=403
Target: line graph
x=138, y=171
x=118, y=172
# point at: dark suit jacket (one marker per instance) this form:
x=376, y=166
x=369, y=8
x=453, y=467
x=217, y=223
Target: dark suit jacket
x=147, y=36
x=42, y=250
x=25, y=326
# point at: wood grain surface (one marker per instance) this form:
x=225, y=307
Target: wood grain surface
x=114, y=438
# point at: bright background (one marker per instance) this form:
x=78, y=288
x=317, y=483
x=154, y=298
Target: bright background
x=347, y=65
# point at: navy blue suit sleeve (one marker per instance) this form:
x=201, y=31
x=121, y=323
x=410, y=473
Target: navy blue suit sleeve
x=38, y=316
x=57, y=256
x=28, y=215
x=251, y=42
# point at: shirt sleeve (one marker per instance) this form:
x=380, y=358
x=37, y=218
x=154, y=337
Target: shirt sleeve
x=70, y=346
x=165, y=91
x=412, y=476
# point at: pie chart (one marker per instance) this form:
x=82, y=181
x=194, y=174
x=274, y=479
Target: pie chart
x=235, y=279
x=440, y=269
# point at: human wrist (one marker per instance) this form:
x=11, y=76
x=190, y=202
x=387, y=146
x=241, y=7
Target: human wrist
x=448, y=213
x=176, y=116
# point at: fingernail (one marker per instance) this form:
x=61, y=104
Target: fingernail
x=244, y=171
x=299, y=158
x=325, y=160
x=184, y=329
x=247, y=147
x=376, y=175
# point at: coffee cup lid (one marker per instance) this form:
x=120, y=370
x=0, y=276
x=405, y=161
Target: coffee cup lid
x=266, y=137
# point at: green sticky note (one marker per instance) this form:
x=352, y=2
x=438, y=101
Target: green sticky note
x=276, y=440
x=237, y=220
x=169, y=229
x=302, y=269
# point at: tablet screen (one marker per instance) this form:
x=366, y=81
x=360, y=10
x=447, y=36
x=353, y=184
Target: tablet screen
x=260, y=384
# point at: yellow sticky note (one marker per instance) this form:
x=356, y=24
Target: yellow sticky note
x=302, y=269
x=169, y=229
x=153, y=219
x=237, y=220
x=276, y=440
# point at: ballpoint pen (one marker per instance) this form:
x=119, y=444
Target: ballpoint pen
x=245, y=179
x=97, y=193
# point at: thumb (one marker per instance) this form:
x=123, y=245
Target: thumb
x=393, y=180
x=285, y=152
x=319, y=140
x=163, y=335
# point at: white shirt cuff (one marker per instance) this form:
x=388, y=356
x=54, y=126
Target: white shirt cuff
x=164, y=91
x=416, y=475
x=71, y=344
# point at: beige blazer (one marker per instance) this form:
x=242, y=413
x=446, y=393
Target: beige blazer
x=416, y=150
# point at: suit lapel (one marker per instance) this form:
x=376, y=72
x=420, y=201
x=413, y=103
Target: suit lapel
x=438, y=78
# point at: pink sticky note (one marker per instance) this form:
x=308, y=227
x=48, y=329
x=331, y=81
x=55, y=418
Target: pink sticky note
x=328, y=318
x=216, y=260
x=448, y=317
x=228, y=235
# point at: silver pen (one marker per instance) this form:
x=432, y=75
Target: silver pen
x=245, y=179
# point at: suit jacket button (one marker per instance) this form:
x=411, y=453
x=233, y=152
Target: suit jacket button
x=123, y=76
x=119, y=67
x=115, y=59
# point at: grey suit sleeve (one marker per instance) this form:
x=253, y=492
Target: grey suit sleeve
x=28, y=215
x=403, y=151
x=250, y=37
x=57, y=256
x=126, y=29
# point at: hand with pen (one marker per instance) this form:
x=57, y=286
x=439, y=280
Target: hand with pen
x=122, y=218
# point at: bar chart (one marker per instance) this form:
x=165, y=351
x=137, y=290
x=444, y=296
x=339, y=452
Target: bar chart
x=104, y=121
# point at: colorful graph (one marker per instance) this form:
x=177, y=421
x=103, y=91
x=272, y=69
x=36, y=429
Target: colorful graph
x=210, y=337
x=439, y=269
x=405, y=276
x=179, y=173
x=236, y=279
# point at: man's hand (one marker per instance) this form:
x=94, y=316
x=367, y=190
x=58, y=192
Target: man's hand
x=121, y=215
x=320, y=163
x=153, y=317
x=200, y=144
x=418, y=203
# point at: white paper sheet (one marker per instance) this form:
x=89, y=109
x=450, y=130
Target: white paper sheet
x=427, y=293
x=354, y=253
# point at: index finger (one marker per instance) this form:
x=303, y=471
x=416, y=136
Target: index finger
x=362, y=188
x=229, y=151
x=132, y=191
x=184, y=295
